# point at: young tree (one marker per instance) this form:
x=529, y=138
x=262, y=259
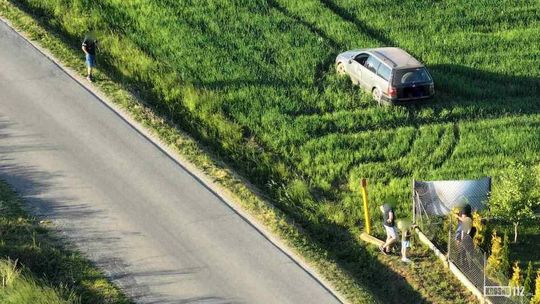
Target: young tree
x=479, y=224
x=536, y=298
x=514, y=196
x=516, y=279
x=527, y=284
x=498, y=263
x=494, y=260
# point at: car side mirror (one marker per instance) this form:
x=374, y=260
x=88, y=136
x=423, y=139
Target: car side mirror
x=350, y=61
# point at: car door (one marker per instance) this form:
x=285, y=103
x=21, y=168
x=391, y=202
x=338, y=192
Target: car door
x=356, y=66
x=369, y=76
x=384, y=72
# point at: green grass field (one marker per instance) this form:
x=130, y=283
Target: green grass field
x=255, y=81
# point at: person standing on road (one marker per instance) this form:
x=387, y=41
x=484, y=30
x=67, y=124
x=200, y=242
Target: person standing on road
x=389, y=226
x=89, y=46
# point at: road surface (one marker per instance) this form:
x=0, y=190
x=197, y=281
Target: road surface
x=154, y=228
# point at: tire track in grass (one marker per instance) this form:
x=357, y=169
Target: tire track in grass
x=331, y=122
x=322, y=68
x=381, y=160
x=384, y=160
x=325, y=66
x=409, y=165
x=399, y=170
x=362, y=27
x=451, y=149
x=419, y=161
x=361, y=152
x=312, y=28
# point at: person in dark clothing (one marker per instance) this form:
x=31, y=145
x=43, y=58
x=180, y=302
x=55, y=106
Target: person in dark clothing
x=472, y=232
x=389, y=220
x=89, y=46
x=465, y=233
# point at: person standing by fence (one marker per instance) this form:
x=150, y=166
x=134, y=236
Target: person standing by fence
x=406, y=231
x=389, y=219
x=465, y=244
x=464, y=221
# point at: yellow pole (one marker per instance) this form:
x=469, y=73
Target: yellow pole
x=366, y=211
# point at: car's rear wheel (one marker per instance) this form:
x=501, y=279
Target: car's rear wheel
x=340, y=68
x=377, y=95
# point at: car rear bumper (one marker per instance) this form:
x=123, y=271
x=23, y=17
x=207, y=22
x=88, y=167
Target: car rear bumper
x=397, y=101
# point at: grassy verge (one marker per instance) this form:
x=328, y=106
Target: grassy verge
x=322, y=231
x=18, y=288
x=36, y=267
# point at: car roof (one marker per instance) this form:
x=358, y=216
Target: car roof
x=395, y=57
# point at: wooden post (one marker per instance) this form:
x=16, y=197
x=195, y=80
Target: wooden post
x=366, y=211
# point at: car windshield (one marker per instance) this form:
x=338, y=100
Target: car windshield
x=410, y=76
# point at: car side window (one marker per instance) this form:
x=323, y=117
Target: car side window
x=361, y=58
x=384, y=72
x=372, y=64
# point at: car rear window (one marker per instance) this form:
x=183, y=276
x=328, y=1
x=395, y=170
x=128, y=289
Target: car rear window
x=410, y=76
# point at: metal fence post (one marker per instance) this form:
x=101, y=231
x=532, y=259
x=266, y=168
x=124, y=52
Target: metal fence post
x=413, y=204
x=484, y=270
x=449, y=242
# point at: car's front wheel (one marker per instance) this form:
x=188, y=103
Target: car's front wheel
x=340, y=68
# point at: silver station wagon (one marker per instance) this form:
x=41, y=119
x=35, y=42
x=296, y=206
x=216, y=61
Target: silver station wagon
x=390, y=74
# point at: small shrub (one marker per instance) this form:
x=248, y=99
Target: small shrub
x=516, y=279
x=497, y=263
x=527, y=283
x=479, y=224
x=536, y=298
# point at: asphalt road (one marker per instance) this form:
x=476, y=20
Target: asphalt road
x=154, y=228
